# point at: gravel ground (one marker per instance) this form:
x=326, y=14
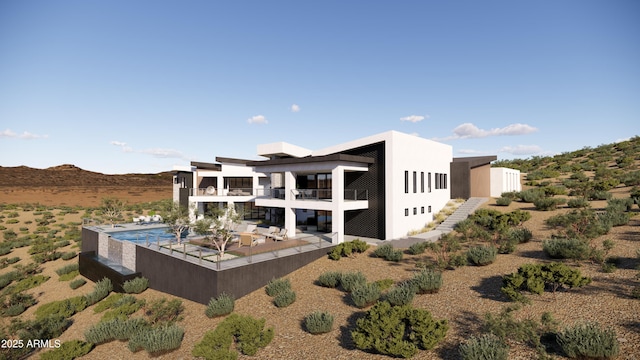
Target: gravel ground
x=467, y=294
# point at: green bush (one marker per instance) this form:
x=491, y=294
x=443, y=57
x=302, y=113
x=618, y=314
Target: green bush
x=155, y=340
x=485, y=347
x=520, y=235
x=276, y=286
x=588, y=341
x=566, y=249
x=163, y=312
x=426, y=281
x=599, y=195
x=397, y=330
x=68, y=350
x=77, y=283
x=348, y=248
x=68, y=255
x=249, y=335
x=16, y=304
x=330, y=279
x=535, y=277
x=503, y=201
x=116, y=329
x=65, y=308
x=384, y=284
x=123, y=308
x=284, y=298
x=108, y=303
x=548, y=203
x=136, y=286
x=100, y=291
x=402, y=294
x=531, y=195
x=580, y=224
x=418, y=248
x=27, y=283
x=578, y=203
x=482, y=255
x=365, y=295
x=318, y=322
x=222, y=305
x=351, y=280
x=69, y=276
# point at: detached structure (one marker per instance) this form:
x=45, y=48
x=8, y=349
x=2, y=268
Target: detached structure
x=504, y=180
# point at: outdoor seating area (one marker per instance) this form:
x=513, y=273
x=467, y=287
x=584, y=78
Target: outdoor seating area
x=143, y=220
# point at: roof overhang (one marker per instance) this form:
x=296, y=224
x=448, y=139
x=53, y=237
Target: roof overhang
x=315, y=159
x=475, y=161
x=282, y=149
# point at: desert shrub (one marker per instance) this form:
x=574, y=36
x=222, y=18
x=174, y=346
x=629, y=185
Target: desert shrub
x=68, y=350
x=163, y=312
x=124, y=307
x=535, y=277
x=457, y=260
x=531, y=195
x=384, y=284
x=365, y=295
x=631, y=178
x=65, y=308
x=566, y=248
x=388, y=253
x=503, y=201
x=348, y=248
x=318, y=322
x=482, y=255
x=578, y=203
x=580, y=224
x=68, y=255
x=519, y=235
x=69, y=276
x=418, y=248
x=108, y=303
x=100, y=291
x=16, y=304
x=401, y=295
x=619, y=205
x=26, y=283
x=77, y=283
x=9, y=235
x=4, y=249
x=136, y=286
x=426, y=281
x=248, y=333
x=554, y=190
x=351, y=280
x=4, y=262
x=588, y=341
x=599, y=195
x=330, y=279
x=635, y=292
x=155, y=340
x=12, y=221
x=116, y=329
x=284, y=298
x=222, y=305
x=276, y=286
x=614, y=218
x=548, y=203
x=483, y=348
x=48, y=328
x=506, y=246
x=397, y=330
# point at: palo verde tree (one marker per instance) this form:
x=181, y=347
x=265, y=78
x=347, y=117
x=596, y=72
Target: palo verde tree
x=177, y=217
x=218, y=227
x=112, y=209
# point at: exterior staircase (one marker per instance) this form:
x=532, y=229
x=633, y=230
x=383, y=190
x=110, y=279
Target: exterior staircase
x=461, y=213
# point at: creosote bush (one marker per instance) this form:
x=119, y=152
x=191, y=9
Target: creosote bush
x=351, y=280
x=566, y=248
x=136, y=286
x=156, y=340
x=388, y=253
x=318, y=322
x=482, y=255
x=329, y=279
x=418, y=248
x=284, y=298
x=365, y=295
x=248, y=334
x=348, y=248
x=535, y=277
x=397, y=330
x=427, y=281
x=588, y=341
x=402, y=294
x=503, y=201
x=484, y=347
x=222, y=305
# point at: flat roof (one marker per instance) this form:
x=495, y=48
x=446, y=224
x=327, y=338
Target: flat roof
x=475, y=161
x=205, y=165
x=312, y=159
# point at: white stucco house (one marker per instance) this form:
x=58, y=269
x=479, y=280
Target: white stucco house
x=504, y=180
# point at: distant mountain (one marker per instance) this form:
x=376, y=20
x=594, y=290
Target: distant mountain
x=71, y=175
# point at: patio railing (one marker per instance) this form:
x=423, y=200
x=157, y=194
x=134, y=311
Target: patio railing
x=211, y=191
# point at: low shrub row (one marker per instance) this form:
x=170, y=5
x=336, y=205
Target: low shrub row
x=536, y=277
x=248, y=334
x=348, y=248
x=280, y=290
x=388, y=253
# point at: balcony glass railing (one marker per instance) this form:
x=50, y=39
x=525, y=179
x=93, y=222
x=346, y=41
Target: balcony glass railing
x=211, y=191
x=312, y=194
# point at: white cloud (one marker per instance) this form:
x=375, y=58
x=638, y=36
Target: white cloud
x=414, y=118
x=469, y=151
x=123, y=145
x=8, y=133
x=295, y=108
x=521, y=150
x=258, y=119
x=164, y=153
x=470, y=131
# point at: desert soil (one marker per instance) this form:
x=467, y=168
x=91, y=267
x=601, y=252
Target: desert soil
x=468, y=293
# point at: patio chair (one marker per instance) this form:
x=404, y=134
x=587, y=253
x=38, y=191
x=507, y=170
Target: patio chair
x=281, y=236
x=251, y=228
x=247, y=240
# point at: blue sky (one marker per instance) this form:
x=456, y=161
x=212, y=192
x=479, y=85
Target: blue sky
x=140, y=86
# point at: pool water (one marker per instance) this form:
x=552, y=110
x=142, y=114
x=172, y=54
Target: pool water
x=140, y=236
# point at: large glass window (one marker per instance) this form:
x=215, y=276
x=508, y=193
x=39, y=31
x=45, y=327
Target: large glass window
x=406, y=182
x=422, y=181
x=415, y=182
x=324, y=186
x=429, y=182
x=324, y=220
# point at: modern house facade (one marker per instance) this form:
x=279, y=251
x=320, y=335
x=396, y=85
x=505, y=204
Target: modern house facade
x=504, y=180
x=381, y=186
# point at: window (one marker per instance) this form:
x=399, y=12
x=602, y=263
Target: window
x=429, y=182
x=422, y=181
x=429, y=209
x=437, y=176
x=406, y=212
x=415, y=189
x=406, y=182
x=444, y=182
x=415, y=211
x=422, y=210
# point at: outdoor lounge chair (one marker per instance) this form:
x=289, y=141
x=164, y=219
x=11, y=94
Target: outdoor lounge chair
x=251, y=228
x=248, y=240
x=281, y=236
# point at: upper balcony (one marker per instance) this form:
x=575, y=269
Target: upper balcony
x=212, y=191
x=313, y=194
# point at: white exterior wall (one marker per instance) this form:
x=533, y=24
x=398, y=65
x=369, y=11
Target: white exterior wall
x=504, y=180
x=411, y=153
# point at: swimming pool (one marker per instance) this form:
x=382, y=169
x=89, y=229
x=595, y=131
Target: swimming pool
x=140, y=236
